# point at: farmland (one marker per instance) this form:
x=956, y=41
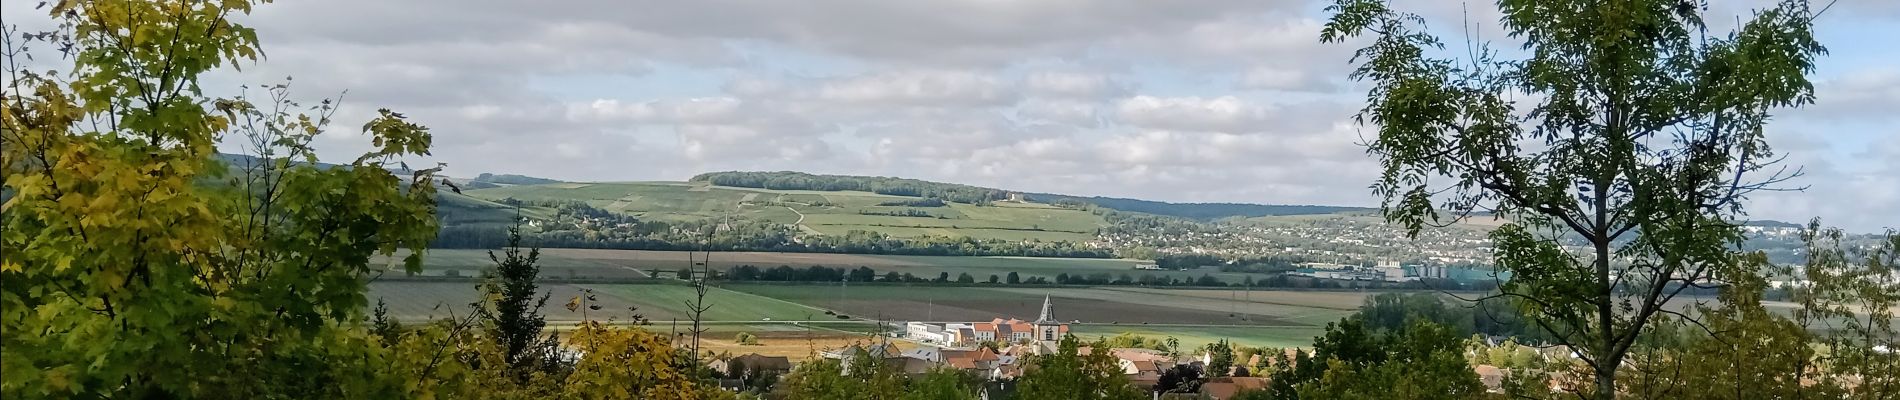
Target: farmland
x=1260, y=318
x=827, y=213
x=632, y=264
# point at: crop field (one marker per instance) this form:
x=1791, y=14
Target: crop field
x=554, y=263
x=828, y=213
x=414, y=300
x=633, y=264
x=937, y=303
x=1261, y=318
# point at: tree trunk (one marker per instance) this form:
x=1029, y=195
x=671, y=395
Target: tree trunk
x=1606, y=381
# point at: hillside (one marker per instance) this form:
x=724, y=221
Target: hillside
x=813, y=212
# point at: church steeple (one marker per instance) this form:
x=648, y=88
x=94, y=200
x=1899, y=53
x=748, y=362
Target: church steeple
x=1047, y=317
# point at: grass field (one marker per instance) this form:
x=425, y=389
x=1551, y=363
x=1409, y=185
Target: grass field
x=1261, y=318
x=411, y=300
x=632, y=264
x=829, y=213
x=554, y=263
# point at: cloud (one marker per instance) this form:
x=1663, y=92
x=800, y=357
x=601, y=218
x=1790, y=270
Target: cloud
x=926, y=88
x=1189, y=100
x=1073, y=85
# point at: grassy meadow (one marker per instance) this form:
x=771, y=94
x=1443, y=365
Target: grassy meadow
x=1262, y=318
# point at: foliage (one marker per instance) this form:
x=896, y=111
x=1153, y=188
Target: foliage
x=1220, y=358
x=1492, y=317
x=1645, y=136
x=746, y=339
x=514, y=311
x=628, y=363
x=865, y=378
x=1424, y=361
x=134, y=262
x=1182, y=378
x=1068, y=374
x=943, y=384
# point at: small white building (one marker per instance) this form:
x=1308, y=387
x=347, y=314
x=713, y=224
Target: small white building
x=927, y=332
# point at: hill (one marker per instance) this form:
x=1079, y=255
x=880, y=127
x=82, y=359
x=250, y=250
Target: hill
x=1198, y=211
x=509, y=179
x=788, y=180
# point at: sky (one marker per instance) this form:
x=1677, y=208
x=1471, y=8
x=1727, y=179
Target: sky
x=1180, y=100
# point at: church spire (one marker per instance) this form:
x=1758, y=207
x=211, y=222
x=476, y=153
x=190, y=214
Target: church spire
x=1047, y=316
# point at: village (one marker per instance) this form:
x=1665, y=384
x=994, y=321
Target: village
x=996, y=352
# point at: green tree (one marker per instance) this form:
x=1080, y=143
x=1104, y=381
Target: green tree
x=1220, y=358
x=965, y=278
x=1068, y=374
x=1013, y=278
x=1645, y=136
x=137, y=263
x=943, y=384
x=1423, y=361
x=514, y=310
x=867, y=378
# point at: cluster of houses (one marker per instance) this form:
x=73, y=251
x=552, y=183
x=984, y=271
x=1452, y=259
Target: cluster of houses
x=996, y=349
x=1045, y=330
x=1387, y=271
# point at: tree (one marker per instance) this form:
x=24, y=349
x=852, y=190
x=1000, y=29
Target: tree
x=965, y=278
x=1070, y=375
x=867, y=378
x=943, y=384
x=1422, y=361
x=136, y=262
x=1220, y=358
x=514, y=311
x=1014, y=279
x=942, y=277
x=1644, y=140
x=1182, y=378
x=628, y=363
x=993, y=279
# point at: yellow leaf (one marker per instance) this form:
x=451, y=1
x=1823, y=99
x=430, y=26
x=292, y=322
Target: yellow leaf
x=9, y=266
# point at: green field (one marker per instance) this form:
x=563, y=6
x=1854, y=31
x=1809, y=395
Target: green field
x=829, y=213
x=631, y=264
x=1262, y=318
x=554, y=263
x=416, y=300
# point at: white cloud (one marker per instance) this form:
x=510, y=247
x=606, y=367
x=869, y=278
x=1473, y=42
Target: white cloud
x=926, y=88
x=1216, y=114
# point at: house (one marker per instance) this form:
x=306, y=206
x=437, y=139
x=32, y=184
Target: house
x=1142, y=366
x=928, y=333
x=753, y=362
x=876, y=351
x=1492, y=376
x=1226, y=387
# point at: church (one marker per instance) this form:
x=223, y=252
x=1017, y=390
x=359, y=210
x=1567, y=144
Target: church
x=1045, y=330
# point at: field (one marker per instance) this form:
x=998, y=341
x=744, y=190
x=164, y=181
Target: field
x=554, y=263
x=828, y=213
x=1262, y=318
x=633, y=264
x=412, y=300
